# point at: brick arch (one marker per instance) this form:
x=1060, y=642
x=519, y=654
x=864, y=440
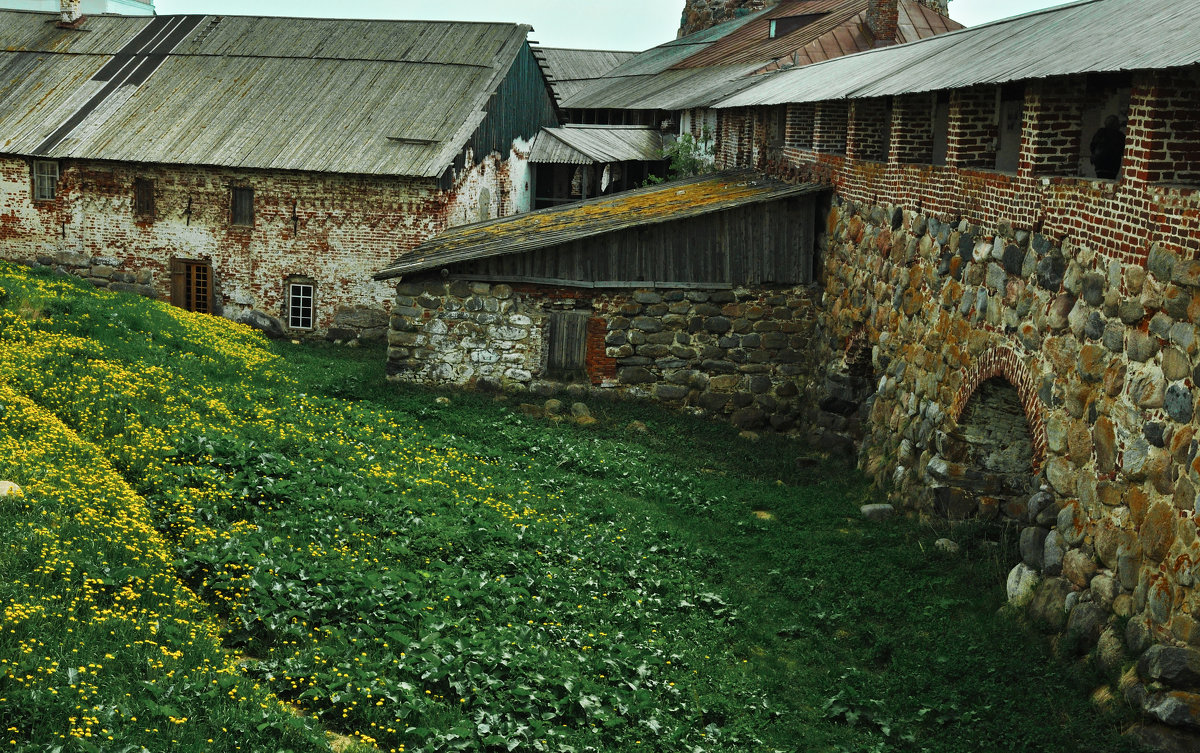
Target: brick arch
x=857, y=354
x=1003, y=361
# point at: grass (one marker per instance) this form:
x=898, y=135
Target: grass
x=228, y=544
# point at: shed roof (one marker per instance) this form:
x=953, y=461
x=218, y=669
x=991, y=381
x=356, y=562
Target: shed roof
x=584, y=145
x=569, y=70
x=570, y=222
x=1095, y=36
x=250, y=92
x=703, y=68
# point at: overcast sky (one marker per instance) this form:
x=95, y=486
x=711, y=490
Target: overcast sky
x=593, y=24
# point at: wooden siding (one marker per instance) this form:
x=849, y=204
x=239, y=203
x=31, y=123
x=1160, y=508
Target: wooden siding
x=770, y=243
x=520, y=107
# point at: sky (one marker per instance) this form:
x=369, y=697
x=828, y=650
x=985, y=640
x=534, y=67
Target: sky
x=591, y=24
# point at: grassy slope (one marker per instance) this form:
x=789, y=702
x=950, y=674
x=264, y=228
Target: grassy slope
x=423, y=574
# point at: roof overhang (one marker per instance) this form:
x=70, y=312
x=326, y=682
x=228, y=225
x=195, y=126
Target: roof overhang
x=586, y=219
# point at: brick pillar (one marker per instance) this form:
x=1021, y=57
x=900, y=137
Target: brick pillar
x=829, y=127
x=912, y=129
x=1162, y=143
x=799, y=130
x=972, y=134
x=1050, y=127
x=867, y=134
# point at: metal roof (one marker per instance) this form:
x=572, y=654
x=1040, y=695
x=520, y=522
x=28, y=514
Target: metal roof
x=586, y=145
x=278, y=93
x=733, y=50
x=1096, y=36
x=670, y=90
x=569, y=70
x=570, y=222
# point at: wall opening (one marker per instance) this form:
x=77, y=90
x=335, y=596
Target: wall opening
x=986, y=463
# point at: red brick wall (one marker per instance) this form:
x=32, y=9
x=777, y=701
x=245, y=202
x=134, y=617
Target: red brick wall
x=336, y=229
x=912, y=129
x=1118, y=219
x=870, y=122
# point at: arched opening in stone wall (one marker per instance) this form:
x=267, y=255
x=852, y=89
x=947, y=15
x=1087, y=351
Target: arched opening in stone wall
x=986, y=463
x=848, y=388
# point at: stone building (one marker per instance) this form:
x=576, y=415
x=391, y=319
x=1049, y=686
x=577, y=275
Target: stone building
x=1029, y=330
x=260, y=168
x=694, y=293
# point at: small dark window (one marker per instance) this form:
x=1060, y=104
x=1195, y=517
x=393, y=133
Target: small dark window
x=191, y=285
x=143, y=197
x=243, y=206
x=300, y=305
x=567, y=338
x=45, y=179
x=781, y=27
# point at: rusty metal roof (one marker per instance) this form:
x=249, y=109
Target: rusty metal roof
x=732, y=51
x=1095, y=36
x=278, y=93
x=586, y=145
x=569, y=70
x=570, y=222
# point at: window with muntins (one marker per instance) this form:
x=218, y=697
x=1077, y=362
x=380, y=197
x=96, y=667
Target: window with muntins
x=45, y=179
x=243, y=206
x=300, y=305
x=143, y=197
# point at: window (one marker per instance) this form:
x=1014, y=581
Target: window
x=45, y=179
x=567, y=345
x=191, y=285
x=1010, y=107
x=143, y=197
x=300, y=305
x=941, y=127
x=781, y=27
x=243, y=206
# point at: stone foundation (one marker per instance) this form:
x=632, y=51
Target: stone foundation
x=743, y=355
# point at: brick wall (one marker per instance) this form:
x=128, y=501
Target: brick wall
x=337, y=230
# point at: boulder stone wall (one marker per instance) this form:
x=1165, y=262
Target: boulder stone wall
x=1101, y=358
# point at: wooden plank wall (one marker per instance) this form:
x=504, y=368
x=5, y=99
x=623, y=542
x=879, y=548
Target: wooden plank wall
x=767, y=243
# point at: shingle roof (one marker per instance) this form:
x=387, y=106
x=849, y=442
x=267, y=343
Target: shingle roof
x=281, y=93
x=583, y=145
x=585, y=219
x=1089, y=37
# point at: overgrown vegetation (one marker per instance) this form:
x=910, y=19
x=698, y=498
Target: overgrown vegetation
x=689, y=156
x=229, y=545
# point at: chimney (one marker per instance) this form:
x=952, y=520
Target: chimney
x=882, y=18
x=69, y=15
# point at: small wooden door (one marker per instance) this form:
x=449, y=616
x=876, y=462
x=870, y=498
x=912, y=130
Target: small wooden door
x=191, y=285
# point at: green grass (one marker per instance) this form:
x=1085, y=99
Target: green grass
x=433, y=571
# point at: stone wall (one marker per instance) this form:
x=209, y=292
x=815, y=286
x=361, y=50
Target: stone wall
x=336, y=230
x=1102, y=359
x=745, y=355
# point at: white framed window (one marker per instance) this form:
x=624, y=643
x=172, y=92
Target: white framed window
x=300, y=305
x=45, y=179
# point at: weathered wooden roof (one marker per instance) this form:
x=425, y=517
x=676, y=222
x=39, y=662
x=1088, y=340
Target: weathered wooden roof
x=703, y=68
x=327, y=95
x=586, y=145
x=570, y=222
x=569, y=70
x=1096, y=36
